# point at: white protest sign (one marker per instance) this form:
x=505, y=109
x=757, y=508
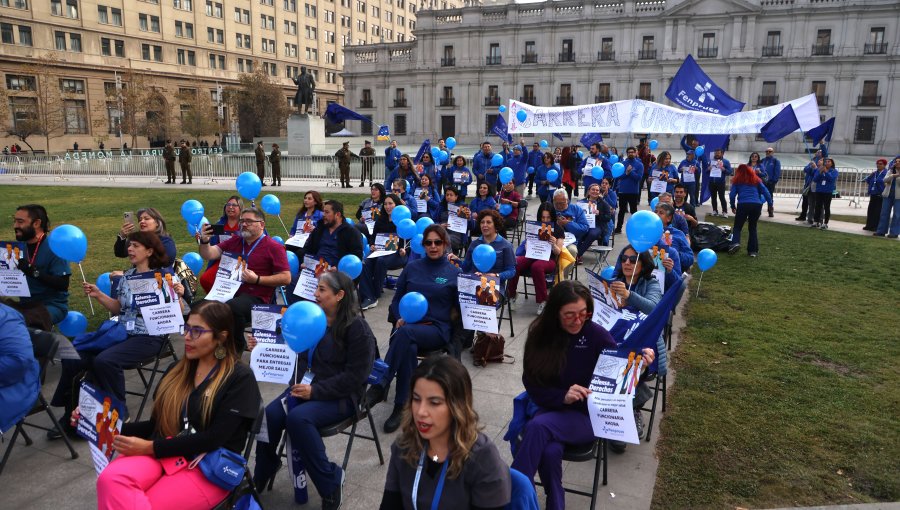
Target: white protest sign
x=163, y=319
x=100, y=422
x=13, y=283
x=273, y=363
x=421, y=205
x=715, y=169
x=298, y=240
x=385, y=244
x=658, y=186
x=457, y=224
x=223, y=290
x=307, y=284
x=590, y=213
x=477, y=317
x=570, y=239
x=687, y=174
x=536, y=249
x=612, y=393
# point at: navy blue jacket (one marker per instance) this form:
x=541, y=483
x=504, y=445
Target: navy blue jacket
x=772, y=166
x=436, y=280
x=630, y=182
x=19, y=371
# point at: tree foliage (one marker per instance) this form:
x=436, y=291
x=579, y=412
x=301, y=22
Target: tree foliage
x=199, y=117
x=260, y=105
x=40, y=104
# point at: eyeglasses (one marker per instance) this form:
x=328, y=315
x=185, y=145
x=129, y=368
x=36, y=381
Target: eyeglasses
x=433, y=242
x=232, y=204
x=242, y=221
x=194, y=332
x=628, y=258
x=573, y=316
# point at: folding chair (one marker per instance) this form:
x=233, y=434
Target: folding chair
x=594, y=451
x=516, y=237
x=45, y=347
x=246, y=486
x=151, y=367
x=505, y=309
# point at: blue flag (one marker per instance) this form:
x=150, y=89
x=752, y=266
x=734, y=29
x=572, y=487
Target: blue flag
x=337, y=113
x=709, y=143
x=781, y=125
x=559, y=136
x=384, y=133
x=692, y=89
x=501, y=129
x=426, y=146
x=589, y=139
x=822, y=132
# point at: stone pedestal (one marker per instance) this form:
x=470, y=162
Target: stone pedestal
x=306, y=134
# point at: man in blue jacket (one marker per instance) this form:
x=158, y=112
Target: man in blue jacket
x=595, y=158
x=19, y=371
x=482, y=166
x=679, y=241
x=772, y=167
x=534, y=161
x=391, y=161
x=570, y=217
x=629, y=186
x=519, y=164
x=718, y=172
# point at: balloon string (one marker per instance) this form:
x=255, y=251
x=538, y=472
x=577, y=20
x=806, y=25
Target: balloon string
x=90, y=303
x=286, y=231
x=699, y=282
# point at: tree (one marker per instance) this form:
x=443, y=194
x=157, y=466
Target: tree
x=260, y=106
x=39, y=105
x=198, y=113
x=144, y=109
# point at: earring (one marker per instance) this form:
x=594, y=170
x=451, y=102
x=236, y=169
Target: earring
x=219, y=353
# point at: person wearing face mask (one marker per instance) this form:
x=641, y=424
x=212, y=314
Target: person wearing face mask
x=441, y=459
x=46, y=274
x=265, y=266
x=149, y=220
x=561, y=350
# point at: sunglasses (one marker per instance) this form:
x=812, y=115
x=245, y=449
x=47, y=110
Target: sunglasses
x=573, y=316
x=628, y=258
x=433, y=242
x=194, y=332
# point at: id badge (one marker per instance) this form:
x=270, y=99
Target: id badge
x=308, y=377
x=824, y=183
x=129, y=325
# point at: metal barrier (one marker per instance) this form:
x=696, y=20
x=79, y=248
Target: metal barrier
x=850, y=185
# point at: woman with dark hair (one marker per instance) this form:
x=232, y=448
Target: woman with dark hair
x=425, y=192
x=490, y=222
x=545, y=186
x=427, y=167
x=371, y=283
x=825, y=178
x=755, y=164
x=207, y=401
x=335, y=373
x=376, y=197
x=434, y=276
x=509, y=196
x=751, y=192
x=663, y=170
x=538, y=269
x=484, y=198
x=561, y=350
x=309, y=213
x=404, y=170
x=231, y=214
x=149, y=220
x=145, y=253
x=452, y=197
x=441, y=459
x=458, y=176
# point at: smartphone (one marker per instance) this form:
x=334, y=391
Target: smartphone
x=218, y=229
x=128, y=217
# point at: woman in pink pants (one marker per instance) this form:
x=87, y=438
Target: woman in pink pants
x=208, y=400
x=538, y=269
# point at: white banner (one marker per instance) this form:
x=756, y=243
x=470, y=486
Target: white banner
x=639, y=116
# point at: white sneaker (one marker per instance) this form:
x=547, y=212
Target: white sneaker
x=540, y=308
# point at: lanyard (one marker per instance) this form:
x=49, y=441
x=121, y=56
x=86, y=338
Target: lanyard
x=36, y=248
x=184, y=414
x=440, y=485
x=253, y=247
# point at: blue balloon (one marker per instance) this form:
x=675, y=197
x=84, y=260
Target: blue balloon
x=613, y=158
x=506, y=174
x=350, y=221
x=608, y=273
x=415, y=244
x=413, y=307
x=193, y=261
x=74, y=324
x=643, y=230
x=435, y=152
x=351, y=265
x=505, y=209
x=406, y=228
x=278, y=239
x=544, y=144
x=104, y=284
x=423, y=223
x=496, y=160
x=597, y=172
x=484, y=257
x=618, y=170
x=521, y=115
x=294, y=262
x=303, y=325
x=400, y=213
x=192, y=211
x=699, y=151
x=444, y=157
x=248, y=185
x=270, y=204
x=653, y=145
x=581, y=154
x=530, y=170
x=706, y=259
x=68, y=242
x=365, y=245
x=193, y=228
x=502, y=108
x=654, y=203
x=552, y=175
x=451, y=142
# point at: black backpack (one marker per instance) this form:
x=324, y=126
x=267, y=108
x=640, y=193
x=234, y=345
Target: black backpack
x=710, y=235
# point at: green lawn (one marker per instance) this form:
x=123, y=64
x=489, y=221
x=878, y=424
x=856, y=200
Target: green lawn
x=788, y=388
x=98, y=212
x=849, y=218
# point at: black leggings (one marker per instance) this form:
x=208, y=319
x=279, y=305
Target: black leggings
x=627, y=201
x=823, y=204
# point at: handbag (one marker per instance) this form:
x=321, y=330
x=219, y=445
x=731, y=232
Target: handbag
x=489, y=349
x=110, y=333
x=222, y=467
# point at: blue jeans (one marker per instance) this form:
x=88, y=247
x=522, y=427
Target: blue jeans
x=401, y=355
x=748, y=213
x=371, y=283
x=885, y=224
x=302, y=425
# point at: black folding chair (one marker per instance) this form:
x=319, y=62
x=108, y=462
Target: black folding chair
x=594, y=451
x=148, y=370
x=246, y=486
x=45, y=347
x=505, y=313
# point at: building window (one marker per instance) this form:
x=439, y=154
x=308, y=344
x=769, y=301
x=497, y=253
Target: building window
x=865, y=130
x=213, y=9
x=869, y=95
x=19, y=82
x=312, y=54
x=604, y=94
x=18, y=4
x=773, y=47
x=400, y=124
x=290, y=27
x=568, y=51
x=309, y=10
x=330, y=57
x=6, y=33
x=242, y=16
x=329, y=16
x=365, y=128
x=22, y=109
x=290, y=5
x=311, y=32
x=493, y=58
x=823, y=44
x=565, y=95
x=76, y=116
x=184, y=5
x=607, y=52
x=818, y=88
x=187, y=57
x=102, y=14
x=708, y=48
x=528, y=94
x=291, y=71
x=69, y=8
x=270, y=68
x=70, y=86
x=329, y=37
x=113, y=117
x=447, y=97
x=645, y=91
x=769, y=94
x=290, y=50
x=149, y=52
x=876, y=44
x=400, y=98
x=142, y=22
x=647, y=51
x=60, y=39
x=75, y=42
x=25, y=35
x=267, y=22
x=489, y=121
x=108, y=45
x=448, y=59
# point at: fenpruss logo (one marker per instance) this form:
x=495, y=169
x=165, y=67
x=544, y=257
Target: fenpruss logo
x=704, y=91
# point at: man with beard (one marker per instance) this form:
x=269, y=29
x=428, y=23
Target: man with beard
x=47, y=275
x=333, y=237
x=266, y=266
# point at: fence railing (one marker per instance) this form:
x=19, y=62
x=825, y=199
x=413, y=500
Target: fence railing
x=850, y=185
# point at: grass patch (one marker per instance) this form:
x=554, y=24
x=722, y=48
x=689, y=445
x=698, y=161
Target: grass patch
x=98, y=213
x=849, y=218
x=788, y=389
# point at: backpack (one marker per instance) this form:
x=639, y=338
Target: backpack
x=489, y=349
x=712, y=236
